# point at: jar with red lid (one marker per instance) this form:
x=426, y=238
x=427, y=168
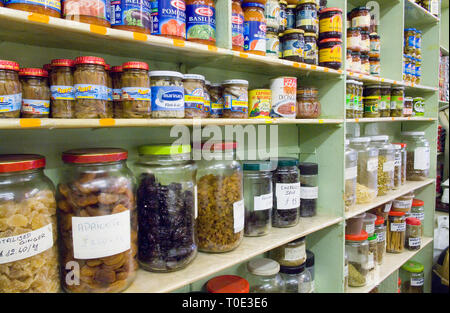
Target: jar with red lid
x=395, y=235
x=116, y=73
x=35, y=93
x=357, y=249
x=330, y=53
x=361, y=18
x=418, y=211
x=91, y=88
x=413, y=236
x=46, y=7
x=228, y=284
x=27, y=210
x=95, y=12
x=97, y=221
x=61, y=88
x=10, y=90
x=330, y=23
x=135, y=83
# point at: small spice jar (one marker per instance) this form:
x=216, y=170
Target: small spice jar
x=293, y=45
x=309, y=188
x=375, y=45
x=356, y=62
x=369, y=223
x=290, y=254
x=395, y=236
x=35, y=93
x=418, y=106
x=235, y=95
x=272, y=43
x=357, y=248
x=354, y=38
x=397, y=101
x=228, y=284
x=372, y=262
x=258, y=198
x=375, y=66
x=418, y=155
x=330, y=53
x=351, y=172
x=290, y=16
x=385, y=101
x=136, y=97
x=297, y=279
x=10, y=90
x=361, y=18
x=397, y=166
x=194, y=95
x=418, y=211
x=263, y=276
x=372, y=97
x=308, y=105
x=413, y=236
x=365, y=64
x=330, y=23
x=61, y=88
x=306, y=16
x=310, y=52
x=365, y=41
x=380, y=231
x=414, y=282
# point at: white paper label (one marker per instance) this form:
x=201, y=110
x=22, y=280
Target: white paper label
x=434, y=7
x=422, y=158
x=402, y=204
x=294, y=254
x=346, y=271
x=26, y=245
x=414, y=242
x=417, y=281
x=372, y=165
x=388, y=166
x=370, y=228
x=288, y=196
x=370, y=262
x=101, y=236
x=309, y=192
x=398, y=227
x=354, y=42
x=351, y=172
x=238, y=215
x=381, y=236
x=398, y=161
x=263, y=202
x=387, y=207
x=420, y=216
x=195, y=202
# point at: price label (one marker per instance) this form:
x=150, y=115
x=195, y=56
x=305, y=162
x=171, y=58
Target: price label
x=288, y=196
x=398, y=227
x=263, y=202
x=414, y=242
x=422, y=158
x=309, y=192
x=238, y=216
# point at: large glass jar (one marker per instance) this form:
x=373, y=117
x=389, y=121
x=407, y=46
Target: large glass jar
x=308, y=105
x=415, y=277
x=61, y=88
x=385, y=101
x=397, y=94
x=167, y=94
x=221, y=210
x=35, y=93
x=27, y=210
x=235, y=98
x=97, y=221
x=297, y=279
x=357, y=248
x=263, y=276
x=10, y=90
x=395, y=235
x=194, y=95
x=372, y=98
x=418, y=155
x=413, y=235
x=418, y=211
x=291, y=254
x=136, y=97
x=351, y=173
x=166, y=207
x=286, y=189
x=366, y=188
x=403, y=161
x=97, y=12
x=309, y=188
x=386, y=160
x=258, y=198
x=380, y=231
x=397, y=166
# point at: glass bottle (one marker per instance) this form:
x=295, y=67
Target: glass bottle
x=309, y=188
x=351, y=174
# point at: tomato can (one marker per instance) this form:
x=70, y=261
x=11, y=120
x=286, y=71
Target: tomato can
x=284, y=97
x=259, y=103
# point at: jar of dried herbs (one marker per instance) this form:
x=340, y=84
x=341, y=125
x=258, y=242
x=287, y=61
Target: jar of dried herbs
x=380, y=231
x=415, y=280
x=351, y=172
x=413, y=238
x=357, y=248
x=386, y=158
x=397, y=166
x=418, y=155
x=258, y=198
x=418, y=211
x=395, y=236
x=309, y=188
x=291, y=254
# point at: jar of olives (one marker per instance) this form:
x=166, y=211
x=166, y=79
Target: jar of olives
x=372, y=97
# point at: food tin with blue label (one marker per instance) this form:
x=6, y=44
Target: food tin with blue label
x=293, y=45
x=47, y=7
x=201, y=21
x=35, y=93
x=132, y=15
x=167, y=94
x=169, y=18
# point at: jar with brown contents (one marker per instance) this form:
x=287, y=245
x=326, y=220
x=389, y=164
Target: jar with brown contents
x=395, y=235
x=61, y=88
x=116, y=73
x=97, y=189
x=35, y=94
x=10, y=90
x=109, y=91
x=308, y=105
x=135, y=82
x=235, y=98
x=47, y=7
x=96, y=12
x=418, y=155
x=194, y=95
x=90, y=84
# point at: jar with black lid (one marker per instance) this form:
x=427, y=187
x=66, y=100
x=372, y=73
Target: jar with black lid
x=306, y=16
x=309, y=188
x=361, y=18
x=330, y=23
x=372, y=97
x=283, y=16
x=330, y=54
x=293, y=44
x=311, y=51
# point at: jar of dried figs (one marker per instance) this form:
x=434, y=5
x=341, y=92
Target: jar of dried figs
x=194, y=95
x=235, y=95
x=61, y=88
x=10, y=90
x=136, y=97
x=418, y=155
x=221, y=210
x=308, y=105
x=97, y=221
x=35, y=93
x=91, y=88
x=116, y=73
x=27, y=210
x=166, y=207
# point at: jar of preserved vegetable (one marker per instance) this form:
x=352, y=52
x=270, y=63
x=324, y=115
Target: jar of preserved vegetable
x=10, y=90
x=380, y=231
x=136, y=97
x=350, y=99
x=293, y=45
x=290, y=254
x=330, y=53
x=397, y=101
x=375, y=45
x=309, y=188
x=365, y=64
x=418, y=155
x=410, y=41
x=116, y=73
x=414, y=282
x=286, y=188
x=418, y=106
x=358, y=103
x=263, y=276
x=354, y=38
x=297, y=279
x=372, y=98
x=351, y=172
x=330, y=23
x=97, y=188
x=386, y=160
x=283, y=17
x=408, y=106
x=258, y=198
x=61, y=88
x=215, y=93
x=134, y=16
x=418, y=211
x=306, y=16
x=221, y=210
x=418, y=70
x=254, y=28
x=47, y=7
x=308, y=105
x=109, y=91
x=228, y=284
x=366, y=188
x=35, y=93
x=357, y=248
x=310, y=55
x=200, y=21
x=167, y=94
x=272, y=43
x=397, y=167
x=385, y=101
x=235, y=95
x=97, y=12
x=237, y=26
x=413, y=237
x=272, y=14
x=361, y=18
x=395, y=236
x=356, y=62
x=27, y=210
x=365, y=41
x=194, y=97
x=290, y=16
x=374, y=66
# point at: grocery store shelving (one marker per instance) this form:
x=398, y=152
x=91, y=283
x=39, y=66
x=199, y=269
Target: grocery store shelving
x=444, y=50
x=420, y=16
x=208, y=263
x=408, y=187
x=390, y=119
x=391, y=263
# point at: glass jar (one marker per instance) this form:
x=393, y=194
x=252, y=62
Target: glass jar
x=272, y=43
x=348, y=60
x=361, y=18
x=408, y=106
x=386, y=160
x=372, y=98
x=366, y=188
x=350, y=91
x=380, y=231
x=414, y=282
x=27, y=210
x=293, y=44
x=61, y=88
x=374, y=66
x=413, y=236
x=46, y=7
x=351, y=172
x=308, y=105
x=132, y=16
x=357, y=248
x=264, y=277
x=116, y=73
x=358, y=103
x=291, y=254
x=10, y=90
x=418, y=106
x=272, y=14
x=372, y=262
x=215, y=93
x=207, y=106
x=97, y=188
x=228, y=284
x=309, y=188
x=397, y=101
x=237, y=26
x=356, y=62
x=418, y=70
x=258, y=198
x=369, y=223
x=330, y=23
x=286, y=187
x=395, y=236
x=109, y=91
x=166, y=209
x=290, y=16
x=96, y=13
x=365, y=42
x=403, y=161
x=167, y=94
x=235, y=95
x=136, y=97
x=200, y=24
x=194, y=95
x=418, y=211
x=306, y=16
x=397, y=167
x=410, y=41
x=35, y=93
x=310, y=267
x=297, y=279
x=254, y=28
x=283, y=16
x=418, y=42
x=310, y=55
x=354, y=38
x=365, y=64
x=403, y=203
x=375, y=45
x=330, y=53
x=221, y=210
x=385, y=101
x=418, y=155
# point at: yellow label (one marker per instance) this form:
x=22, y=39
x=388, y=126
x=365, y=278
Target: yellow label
x=332, y=24
x=212, y=48
x=178, y=43
x=215, y=105
x=35, y=17
x=296, y=64
x=330, y=54
x=243, y=55
x=260, y=103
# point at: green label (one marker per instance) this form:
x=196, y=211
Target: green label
x=350, y=101
x=371, y=104
x=397, y=102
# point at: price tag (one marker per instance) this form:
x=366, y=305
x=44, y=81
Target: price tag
x=263, y=202
x=398, y=227
x=288, y=196
x=238, y=216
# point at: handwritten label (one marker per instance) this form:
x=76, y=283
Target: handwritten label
x=398, y=227
x=414, y=242
x=294, y=254
x=417, y=281
x=288, y=196
x=370, y=228
x=402, y=204
x=238, y=216
x=422, y=158
x=263, y=202
x=388, y=166
x=372, y=165
x=381, y=236
x=387, y=207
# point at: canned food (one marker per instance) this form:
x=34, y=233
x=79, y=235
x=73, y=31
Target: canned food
x=284, y=97
x=259, y=103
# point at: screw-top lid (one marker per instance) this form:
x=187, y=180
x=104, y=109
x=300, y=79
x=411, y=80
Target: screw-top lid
x=117, y=69
x=374, y=36
x=9, y=65
x=359, y=237
x=165, y=73
x=373, y=237
x=164, y=149
x=235, y=81
x=293, y=269
x=413, y=221
x=310, y=35
x=90, y=60
x=135, y=65
x=413, y=133
x=194, y=76
x=413, y=267
x=33, y=72
x=253, y=4
x=379, y=220
x=379, y=138
x=263, y=267
x=94, y=155
x=228, y=284
x=263, y=166
x=402, y=144
x=107, y=67
x=62, y=62
x=20, y=162
x=417, y=202
x=215, y=146
x=308, y=168
x=271, y=30
x=309, y=258
x=325, y=10
x=293, y=31
x=284, y=162
x=396, y=213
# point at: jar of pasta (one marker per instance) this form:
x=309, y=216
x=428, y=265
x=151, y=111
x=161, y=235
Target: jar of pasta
x=254, y=28
x=27, y=210
x=357, y=248
x=97, y=12
x=418, y=155
x=415, y=277
x=116, y=73
x=221, y=210
x=35, y=93
x=395, y=236
x=386, y=160
x=97, y=221
x=397, y=101
x=47, y=7
x=135, y=85
x=10, y=90
x=167, y=94
x=290, y=254
x=194, y=95
x=61, y=88
x=235, y=95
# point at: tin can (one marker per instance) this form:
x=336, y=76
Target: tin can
x=284, y=97
x=259, y=103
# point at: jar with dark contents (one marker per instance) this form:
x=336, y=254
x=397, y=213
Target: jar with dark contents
x=97, y=12
x=375, y=45
x=136, y=97
x=385, y=102
x=365, y=64
x=372, y=97
x=397, y=101
x=361, y=18
x=308, y=105
x=272, y=43
x=215, y=94
x=309, y=188
x=194, y=97
x=109, y=91
x=306, y=16
x=61, y=88
x=283, y=16
x=116, y=73
x=10, y=90
x=293, y=44
x=330, y=53
x=356, y=62
x=46, y=7
x=35, y=93
x=330, y=23
x=286, y=189
x=290, y=16
x=408, y=106
x=310, y=55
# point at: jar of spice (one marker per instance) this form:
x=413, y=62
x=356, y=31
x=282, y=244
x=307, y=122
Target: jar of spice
x=372, y=262
x=194, y=95
x=136, y=96
x=10, y=89
x=354, y=38
x=357, y=248
x=365, y=41
x=408, y=106
x=309, y=188
x=413, y=237
x=35, y=93
x=395, y=236
x=361, y=18
x=386, y=160
x=418, y=211
x=61, y=88
x=351, y=172
x=372, y=97
x=228, y=284
x=414, y=282
x=293, y=45
x=385, y=101
x=330, y=23
x=308, y=105
x=418, y=155
x=272, y=43
x=375, y=45
x=356, y=62
x=272, y=14
x=380, y=231
x=310, y=55
x=397, y=167
x=306, y=16
x=297, y=279
x=330, y=53
x=167, y=83
x=365, y=64
x=375, y=67
x=235, y=95
x=397, y=101
x=290, y=254
x=263, y=276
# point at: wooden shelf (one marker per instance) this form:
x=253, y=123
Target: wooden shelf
x=390, y=119
x=382, y=80
x=408, y=187
x=415, y=15
x=207, y=264
x=391, y=263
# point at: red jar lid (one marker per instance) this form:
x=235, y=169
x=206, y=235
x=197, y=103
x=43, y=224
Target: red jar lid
x=135, y=65
x=20, y=162
x=62, y=62
x=94, y=155
x=330, y=40
x=379, y=220
x=228, y=284
x=330, y=10
x=396, y=213
x=9, y=65
x=413, y=221
x=360, y=237
x=417, y=202
x=216, y=146
x=402, y=144
x=107, y=67
x=117, y=69
x=90, y=60
x=33, y=72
